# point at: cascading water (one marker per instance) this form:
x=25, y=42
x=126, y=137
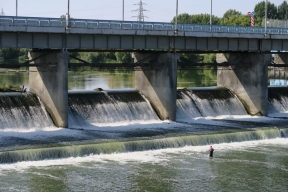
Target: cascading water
x=186, y=107
x=216, y=102
x=104, y=108
x=138, y=145
x=115, y=107
x=277, y=100
x=22, y=111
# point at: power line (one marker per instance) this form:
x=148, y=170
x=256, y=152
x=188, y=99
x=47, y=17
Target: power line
x=2, y=12
x=140, y=11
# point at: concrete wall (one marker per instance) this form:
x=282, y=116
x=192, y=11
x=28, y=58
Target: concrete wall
x=247, y=77
x=159, y=85
x=50, y=84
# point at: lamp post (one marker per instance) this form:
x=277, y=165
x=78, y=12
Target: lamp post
x=68, y=15
x=265, y=16
x=123, y=10
x=16, y=8
x=176, y=19
x=211, y=14
x=68, y=8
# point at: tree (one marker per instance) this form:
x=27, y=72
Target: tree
x=189, y=58
x=283, y=11
x=259, y=11
x=231, y=12
x=123, y=57
x=236, y=20
x=185, y=18
x=209, y=58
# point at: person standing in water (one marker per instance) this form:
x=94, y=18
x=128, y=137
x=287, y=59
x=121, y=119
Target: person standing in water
x=211, y=150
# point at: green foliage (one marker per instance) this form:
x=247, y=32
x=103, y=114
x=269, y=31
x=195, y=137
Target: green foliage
x=283, y=11
x=231, y=12
x=236, y=20
x=189, y=58
x=209, y=58
x=259, y=11
x=12, y=56
x=185, y=18
x=97, y=57
x=123, y=57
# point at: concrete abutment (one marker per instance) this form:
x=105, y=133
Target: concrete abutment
x=247, y=77
x=159, y=85
x=50, y=83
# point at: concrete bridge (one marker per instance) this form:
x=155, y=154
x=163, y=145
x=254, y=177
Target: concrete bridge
x=33, y=32
x=247, y=50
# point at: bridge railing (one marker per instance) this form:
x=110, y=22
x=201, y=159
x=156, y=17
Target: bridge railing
x=133, y=25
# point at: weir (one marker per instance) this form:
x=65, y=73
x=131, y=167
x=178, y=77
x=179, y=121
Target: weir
x=95, y=108
x=98, y=107
x=159, y=85
x=50, y=84
x=22, y=111
x=278, y=99
x=247, y=77
x=139, y=145
x=203, y=102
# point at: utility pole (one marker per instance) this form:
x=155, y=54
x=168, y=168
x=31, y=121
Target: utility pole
x=16, y=8
x=68, y=15
x=2, y=12
x=176, y=18
x=123, y=10
x=140, y=11
x=211, y=14
x=266, y=16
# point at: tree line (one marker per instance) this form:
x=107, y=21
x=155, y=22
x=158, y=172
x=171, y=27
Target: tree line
x=236, y=18
x=230, y=17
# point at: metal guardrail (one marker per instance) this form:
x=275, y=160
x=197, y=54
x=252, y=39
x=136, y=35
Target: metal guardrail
x=131, y=25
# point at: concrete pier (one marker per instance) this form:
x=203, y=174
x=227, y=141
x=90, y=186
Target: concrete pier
x=50, y=83
x=247, y=77
x=159, y=85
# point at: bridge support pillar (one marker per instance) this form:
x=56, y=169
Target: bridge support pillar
x=159, y=86
x=247, y=77
x=50, y=83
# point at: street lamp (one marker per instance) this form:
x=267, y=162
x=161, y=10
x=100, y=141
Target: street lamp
x=68, y=15
x=265, y=16
x=211, y=14
x=123, y=10
x=176, y=19
x=16, y=8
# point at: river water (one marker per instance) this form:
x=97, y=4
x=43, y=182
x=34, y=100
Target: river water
x=244, y=166
x=117, y=79
x=255, y=165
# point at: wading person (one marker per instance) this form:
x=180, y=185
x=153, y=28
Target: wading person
x=211, y=150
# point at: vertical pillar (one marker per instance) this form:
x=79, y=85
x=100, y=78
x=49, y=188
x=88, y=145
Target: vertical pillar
x=159, y=86
x=247, y=77
x=50, y=83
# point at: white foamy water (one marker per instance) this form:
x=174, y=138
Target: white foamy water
x=151, y=156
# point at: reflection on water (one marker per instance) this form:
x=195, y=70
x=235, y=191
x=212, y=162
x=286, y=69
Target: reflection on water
x=14, y=78
x=112, y=79
x=115, y=79
x=89, y=80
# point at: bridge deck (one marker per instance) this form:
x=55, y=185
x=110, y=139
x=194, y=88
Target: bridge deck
x=33, y=32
